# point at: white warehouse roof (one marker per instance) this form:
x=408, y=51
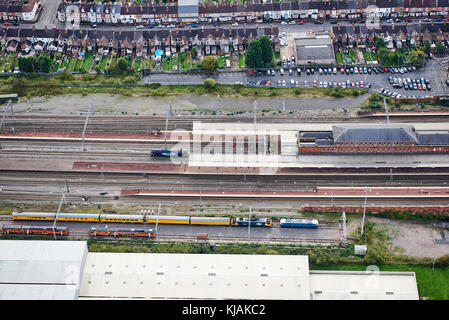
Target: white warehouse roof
x=195, y=276
x=41, y=269
x=363, y=285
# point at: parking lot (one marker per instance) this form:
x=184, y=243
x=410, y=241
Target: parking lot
x=433, y=72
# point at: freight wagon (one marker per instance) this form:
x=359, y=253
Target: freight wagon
x=299, y=223
x=41, y=230
x=121, y=232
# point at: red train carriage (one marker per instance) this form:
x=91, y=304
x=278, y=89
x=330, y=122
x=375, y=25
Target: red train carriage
x=41, y=230
x=121, y=232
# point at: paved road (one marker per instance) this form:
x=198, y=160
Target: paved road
x=433, y=71
x=48, y=14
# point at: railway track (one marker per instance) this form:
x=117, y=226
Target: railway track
x=28, y=197
x=145, y=124
x=192, y=238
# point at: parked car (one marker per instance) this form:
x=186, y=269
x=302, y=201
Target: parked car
x=195, y=25
x=318, y=22
x=300, y=22
x=281, y=71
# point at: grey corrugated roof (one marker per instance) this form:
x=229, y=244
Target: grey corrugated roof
x=41, y=269
x=325, y=142
x=433, y=138
x=374, y=134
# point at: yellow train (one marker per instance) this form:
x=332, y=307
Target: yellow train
x=124, y=218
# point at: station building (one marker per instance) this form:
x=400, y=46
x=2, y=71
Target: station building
x=365, y=139
x=31, y=270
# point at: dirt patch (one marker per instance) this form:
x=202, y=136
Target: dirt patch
x=411, y=239
x=319, y=108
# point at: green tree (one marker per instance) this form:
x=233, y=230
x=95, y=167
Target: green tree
x=267, y=51
x=427, y=46
x=416, y=58
x=209, y=83
x=122, y=65
x=380, y=43
x=440, y=47
x=209, y=63
x=385, y=56
x=118, y=67
x=28, y=64
x=253, y=57
x=44, y=63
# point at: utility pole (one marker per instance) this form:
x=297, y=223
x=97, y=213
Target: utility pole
x=364, y=210
x=67, y=186
x=249, y=223
x=283, y=106
x=386, y=111
x=89, y=111
x=343, y=217
x=57, y=213
x=169, y=112
x=5, y=113
x=157, y=219
x=255, y=114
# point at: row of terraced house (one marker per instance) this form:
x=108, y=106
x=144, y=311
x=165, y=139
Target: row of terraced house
x=19, y=10
x=396, y=36
x=245, y=11
x=139, y=43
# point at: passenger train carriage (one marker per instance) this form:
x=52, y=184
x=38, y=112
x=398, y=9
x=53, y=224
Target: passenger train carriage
x=299, y=223
x=123, y=218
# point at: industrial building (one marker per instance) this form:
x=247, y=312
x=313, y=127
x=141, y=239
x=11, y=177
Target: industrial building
x=47, y=270
x=314, y=48
x=65, y=270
